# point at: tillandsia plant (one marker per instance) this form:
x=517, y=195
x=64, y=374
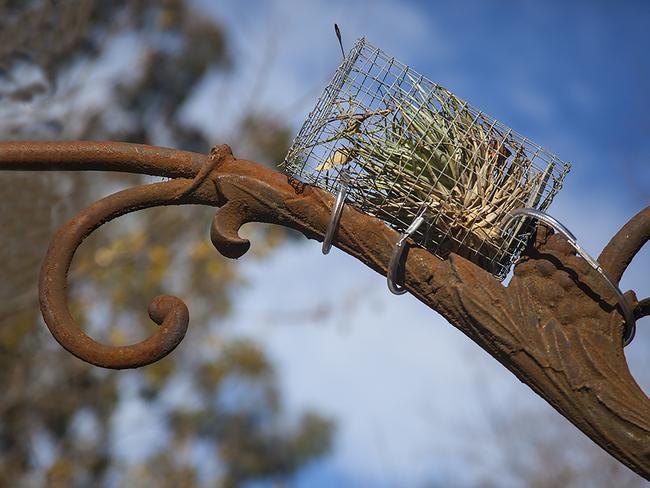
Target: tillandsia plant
x=430, y=152
x=404, y=147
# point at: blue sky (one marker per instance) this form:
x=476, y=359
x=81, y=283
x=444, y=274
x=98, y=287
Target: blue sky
x=570, y=75
x=407, y=390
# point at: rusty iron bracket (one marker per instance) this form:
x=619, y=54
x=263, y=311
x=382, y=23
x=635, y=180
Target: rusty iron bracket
x=556, y=326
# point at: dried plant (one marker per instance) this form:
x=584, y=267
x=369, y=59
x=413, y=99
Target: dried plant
x=429, y=151
x=408, y=147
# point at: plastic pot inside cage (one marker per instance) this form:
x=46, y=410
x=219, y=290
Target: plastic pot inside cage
x=407, y=147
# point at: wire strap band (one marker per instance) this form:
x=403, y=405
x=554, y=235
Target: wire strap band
x=630, y=322
x=335, y=218
x=396, y=257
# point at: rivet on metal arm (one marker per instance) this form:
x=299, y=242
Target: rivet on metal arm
x=336, y=216
x=630, y=322
x=396, y=258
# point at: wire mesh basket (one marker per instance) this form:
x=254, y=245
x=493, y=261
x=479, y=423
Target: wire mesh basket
x=407, y=147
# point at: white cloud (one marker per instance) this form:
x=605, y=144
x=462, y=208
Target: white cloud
x=398, y=379
x=286, y=52
x=406, y=388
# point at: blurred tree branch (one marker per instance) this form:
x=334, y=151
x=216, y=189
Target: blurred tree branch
x=122, y=70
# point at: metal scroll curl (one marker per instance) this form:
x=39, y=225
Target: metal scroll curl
x=168, y=311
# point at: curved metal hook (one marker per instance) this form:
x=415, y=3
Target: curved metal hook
x=337, y=210
x=630, y=322
x=224, y=229
x=396, y=257
x=167, y=311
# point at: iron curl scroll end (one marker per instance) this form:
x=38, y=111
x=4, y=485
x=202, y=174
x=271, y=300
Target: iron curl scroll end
x=555, y=326
x=169, y=312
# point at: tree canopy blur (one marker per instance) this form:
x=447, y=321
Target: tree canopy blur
x=124, y=71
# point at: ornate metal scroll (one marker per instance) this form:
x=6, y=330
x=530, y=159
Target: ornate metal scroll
x=556, y=326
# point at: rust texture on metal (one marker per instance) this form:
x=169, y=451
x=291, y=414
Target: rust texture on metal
x=556, y=325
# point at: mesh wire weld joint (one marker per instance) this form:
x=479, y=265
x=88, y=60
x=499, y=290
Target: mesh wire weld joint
x=630, y=323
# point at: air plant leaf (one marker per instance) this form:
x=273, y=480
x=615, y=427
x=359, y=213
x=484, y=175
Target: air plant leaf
x=429, y=148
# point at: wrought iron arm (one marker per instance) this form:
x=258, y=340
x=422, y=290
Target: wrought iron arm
x=556, y=326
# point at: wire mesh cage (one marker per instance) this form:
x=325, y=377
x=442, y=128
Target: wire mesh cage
x=407, y=147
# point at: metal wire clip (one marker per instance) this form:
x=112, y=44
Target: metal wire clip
x=337, y=210
x=630, y=322
x=396, y=258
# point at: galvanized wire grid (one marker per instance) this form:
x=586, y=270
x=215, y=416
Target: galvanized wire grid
x=408, y=147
